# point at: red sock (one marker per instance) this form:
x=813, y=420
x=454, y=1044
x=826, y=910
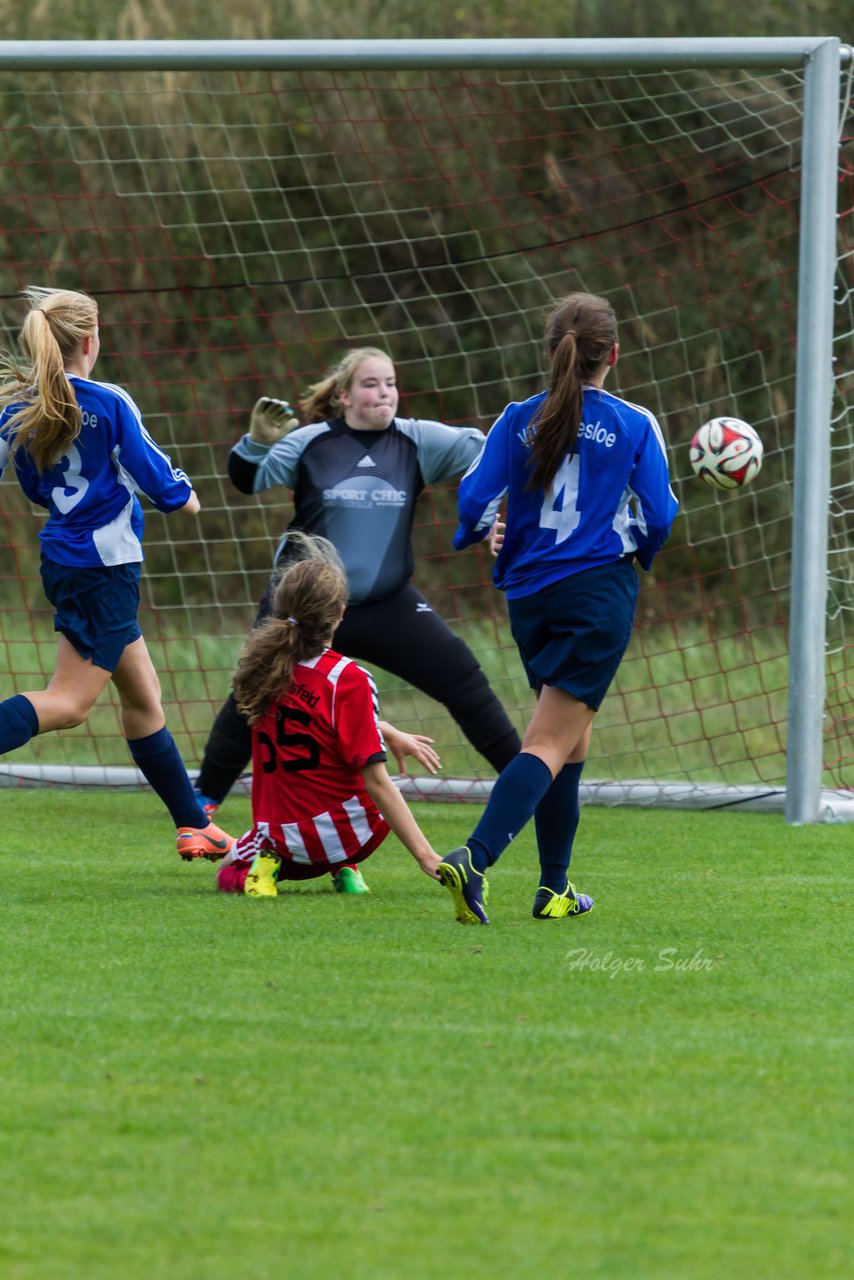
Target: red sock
x=232, y=878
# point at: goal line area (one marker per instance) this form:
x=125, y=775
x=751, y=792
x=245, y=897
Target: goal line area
x=243, y=219
x=834, y=806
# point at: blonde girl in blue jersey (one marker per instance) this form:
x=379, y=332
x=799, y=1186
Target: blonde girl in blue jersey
x=585, y=480
x=79, y=449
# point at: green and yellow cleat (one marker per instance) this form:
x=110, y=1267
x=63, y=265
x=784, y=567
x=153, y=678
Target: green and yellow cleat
x=468, y=886
x=261, y=878
x=549, y=905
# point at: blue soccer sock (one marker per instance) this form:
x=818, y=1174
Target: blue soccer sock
x=18, y=723
x=556, y=821
x=515, y=795
x=159, y=760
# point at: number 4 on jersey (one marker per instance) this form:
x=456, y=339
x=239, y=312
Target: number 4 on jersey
x=564, y=488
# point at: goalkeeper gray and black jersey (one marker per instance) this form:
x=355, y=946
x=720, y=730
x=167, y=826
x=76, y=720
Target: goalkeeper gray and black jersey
x=359, y=488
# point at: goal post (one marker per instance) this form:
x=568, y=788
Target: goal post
x=814, y=394
x=245, y=210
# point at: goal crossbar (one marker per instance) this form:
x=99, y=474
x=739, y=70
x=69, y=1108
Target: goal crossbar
x=358, y=55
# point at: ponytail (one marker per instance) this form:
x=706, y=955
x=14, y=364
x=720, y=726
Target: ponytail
x=48, y=420
x=580, y=333
x=320, y=402
x=308, y=601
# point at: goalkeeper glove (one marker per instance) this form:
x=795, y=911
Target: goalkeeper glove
x=271, y=421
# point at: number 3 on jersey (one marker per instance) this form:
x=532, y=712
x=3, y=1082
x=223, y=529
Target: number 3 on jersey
x=563, y=487
x=75, y=481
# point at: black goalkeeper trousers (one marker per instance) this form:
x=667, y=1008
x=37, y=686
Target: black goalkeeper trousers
x=403, y=636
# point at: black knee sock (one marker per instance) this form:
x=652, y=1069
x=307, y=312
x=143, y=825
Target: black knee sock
x=228, y=751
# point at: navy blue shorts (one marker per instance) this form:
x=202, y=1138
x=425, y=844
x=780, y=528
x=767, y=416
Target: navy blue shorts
x=573, y=633
x=96, y=608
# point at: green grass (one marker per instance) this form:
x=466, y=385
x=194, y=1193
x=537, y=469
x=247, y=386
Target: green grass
x=200, y=1087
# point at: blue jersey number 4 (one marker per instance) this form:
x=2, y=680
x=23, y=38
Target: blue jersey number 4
x=564, y=489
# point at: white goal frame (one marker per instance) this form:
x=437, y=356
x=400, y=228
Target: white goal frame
x=821, y=60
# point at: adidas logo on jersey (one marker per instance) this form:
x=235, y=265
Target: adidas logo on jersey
x=423, y=607
x=366, y=462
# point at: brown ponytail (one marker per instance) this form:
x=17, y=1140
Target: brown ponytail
x=307, y=604
x=49, y=419
x=580, y=333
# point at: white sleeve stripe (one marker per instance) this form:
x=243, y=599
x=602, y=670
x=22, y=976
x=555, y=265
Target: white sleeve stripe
x=334, y=675
x=121, y=394
x=487, y=520
x=375, y=697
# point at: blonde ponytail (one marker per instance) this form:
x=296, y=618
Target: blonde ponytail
x=48, y=419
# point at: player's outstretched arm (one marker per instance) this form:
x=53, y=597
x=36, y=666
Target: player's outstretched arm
x=395, y=810
x=271, y=421
x=402, y=744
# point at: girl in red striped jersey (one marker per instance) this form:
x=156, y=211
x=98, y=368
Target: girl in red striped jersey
x=322, y=799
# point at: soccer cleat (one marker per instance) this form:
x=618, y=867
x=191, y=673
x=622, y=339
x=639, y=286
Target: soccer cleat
x=203, y=842
x=210, y=806
x=549, y=905
x=349, y=880
x=261, y=877
x=468, y=886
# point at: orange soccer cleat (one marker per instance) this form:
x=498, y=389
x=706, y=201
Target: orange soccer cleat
x=203, y=842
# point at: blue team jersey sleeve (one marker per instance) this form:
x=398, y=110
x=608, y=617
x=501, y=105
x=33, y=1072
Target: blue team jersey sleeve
x=135, y=452
x=484, y=486
x=654, y=502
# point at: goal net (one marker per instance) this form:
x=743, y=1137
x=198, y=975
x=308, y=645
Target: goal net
x=240, y=228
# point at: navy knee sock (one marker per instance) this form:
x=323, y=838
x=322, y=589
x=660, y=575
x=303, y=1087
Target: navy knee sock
x=556, y=821
x=18, y=722
x=515, y=795
x=159, y=760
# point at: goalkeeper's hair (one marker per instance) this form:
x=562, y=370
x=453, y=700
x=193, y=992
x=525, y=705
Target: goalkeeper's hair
x=308, y=600
x=49, y=419
x=581, y=329
x=322, y=400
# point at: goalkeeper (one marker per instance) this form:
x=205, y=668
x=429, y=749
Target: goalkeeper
x=356, y=472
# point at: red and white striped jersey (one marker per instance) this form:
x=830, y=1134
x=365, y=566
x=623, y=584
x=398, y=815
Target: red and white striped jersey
x=308, y=798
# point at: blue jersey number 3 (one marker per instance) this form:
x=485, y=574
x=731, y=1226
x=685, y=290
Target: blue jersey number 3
x=71, y=462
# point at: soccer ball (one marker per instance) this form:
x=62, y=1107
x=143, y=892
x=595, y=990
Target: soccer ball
x=726, y=453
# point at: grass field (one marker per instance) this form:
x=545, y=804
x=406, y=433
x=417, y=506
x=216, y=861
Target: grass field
x=200, y=1087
